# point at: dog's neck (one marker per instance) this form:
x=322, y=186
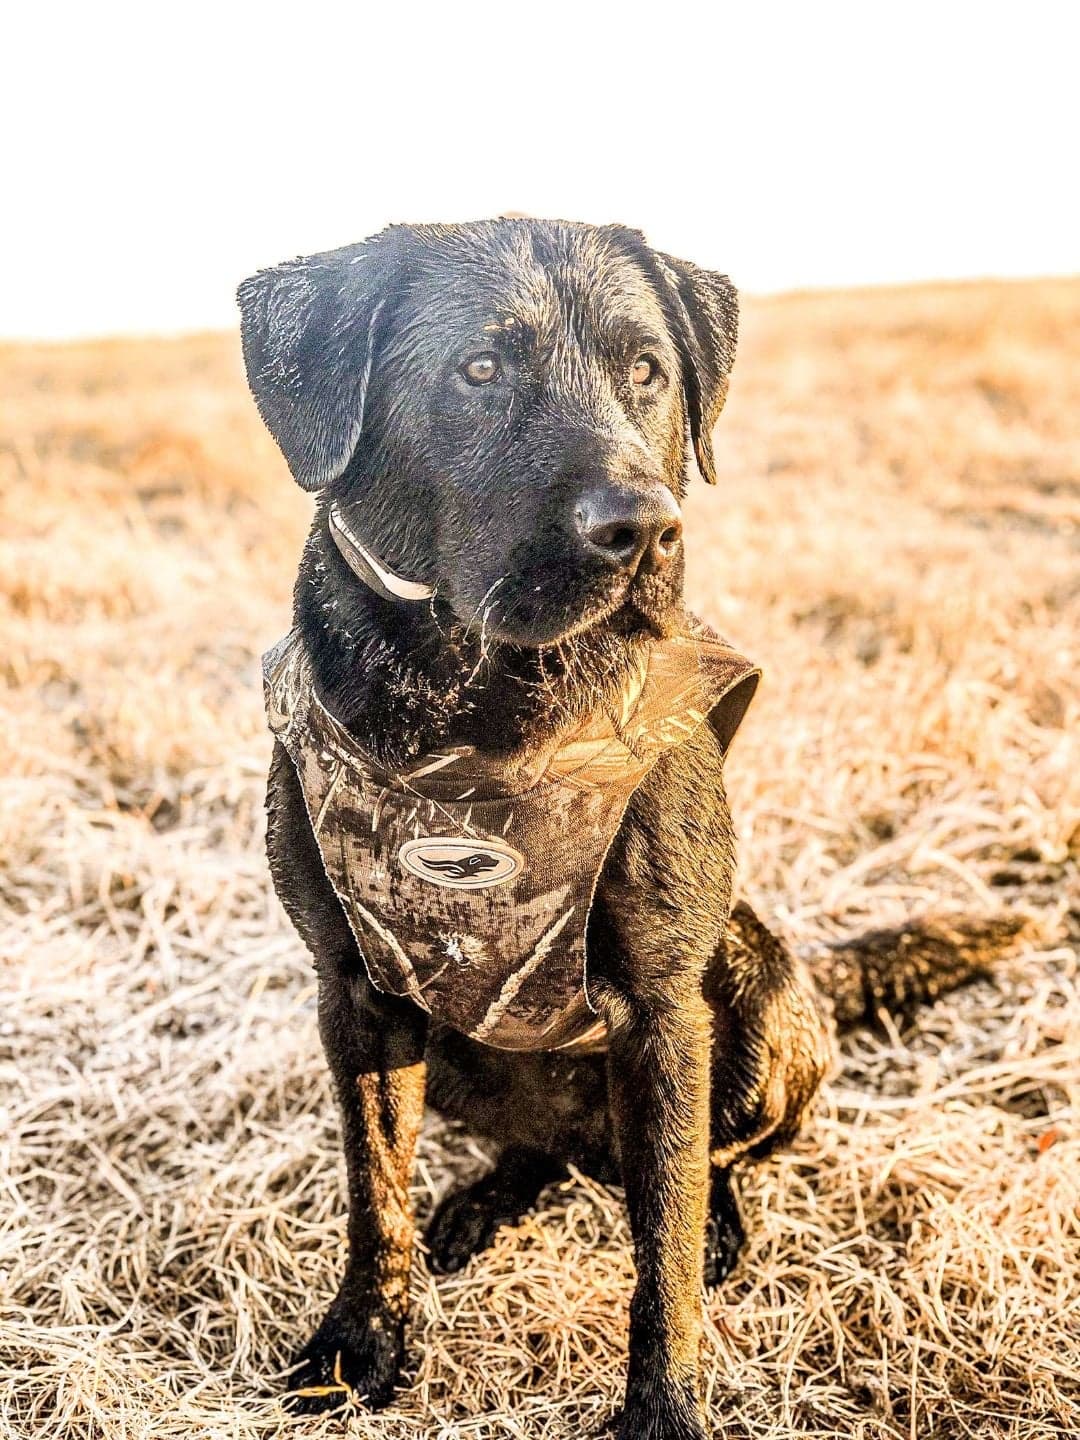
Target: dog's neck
x=406, y=677
x=369, y=568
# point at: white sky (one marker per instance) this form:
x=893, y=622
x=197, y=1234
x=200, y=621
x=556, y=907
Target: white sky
x=154, y=155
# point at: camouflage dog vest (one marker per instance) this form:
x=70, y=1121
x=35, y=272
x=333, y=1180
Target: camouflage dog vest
x=467, y=879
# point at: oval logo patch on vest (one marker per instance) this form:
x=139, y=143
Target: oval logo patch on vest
x=460, y=863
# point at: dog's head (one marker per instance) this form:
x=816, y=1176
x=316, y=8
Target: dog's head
x=500, y=410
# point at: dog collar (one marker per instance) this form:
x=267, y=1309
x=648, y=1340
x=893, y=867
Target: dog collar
x=366, y=566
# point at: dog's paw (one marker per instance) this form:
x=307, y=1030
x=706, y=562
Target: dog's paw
x=665, y=1417
x=724, y=1233
x=464, y=1224
x=345, y=1361
x=724, y=1240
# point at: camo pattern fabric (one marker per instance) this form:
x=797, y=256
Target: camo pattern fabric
x=467, y=879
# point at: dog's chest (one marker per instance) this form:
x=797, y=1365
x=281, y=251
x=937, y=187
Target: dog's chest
x=468, y=886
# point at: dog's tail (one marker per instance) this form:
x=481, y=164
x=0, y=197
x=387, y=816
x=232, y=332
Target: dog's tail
x=897, y=969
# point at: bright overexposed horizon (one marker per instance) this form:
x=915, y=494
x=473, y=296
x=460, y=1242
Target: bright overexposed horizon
x=154, y=157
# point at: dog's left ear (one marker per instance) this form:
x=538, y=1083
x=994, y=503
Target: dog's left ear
x=704, y=310
x=309, y=330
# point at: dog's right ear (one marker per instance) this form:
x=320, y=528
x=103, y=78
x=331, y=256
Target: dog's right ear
x=309, y=329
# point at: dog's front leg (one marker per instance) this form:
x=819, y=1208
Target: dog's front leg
x=659, y=1088
x=375, y=1047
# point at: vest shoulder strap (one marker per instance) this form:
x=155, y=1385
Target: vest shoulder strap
x=692, y=677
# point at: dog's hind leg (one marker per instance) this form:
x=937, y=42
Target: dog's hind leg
x=467, y=1220
x=771, y=1050
x=772, y=1041
x=771, y=1024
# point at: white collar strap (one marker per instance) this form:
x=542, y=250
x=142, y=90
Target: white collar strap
x=368, y=568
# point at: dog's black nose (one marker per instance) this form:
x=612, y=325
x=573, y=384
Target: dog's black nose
x=631, y=529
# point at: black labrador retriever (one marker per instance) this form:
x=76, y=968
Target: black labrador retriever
x=495, y=417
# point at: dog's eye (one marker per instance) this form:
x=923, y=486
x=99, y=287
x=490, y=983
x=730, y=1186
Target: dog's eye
x=481, y=369
x=644, y=370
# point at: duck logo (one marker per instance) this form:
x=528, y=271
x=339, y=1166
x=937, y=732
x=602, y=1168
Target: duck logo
x=461, y=869
x=460, y=862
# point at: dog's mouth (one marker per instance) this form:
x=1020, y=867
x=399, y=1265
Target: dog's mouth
x=645, y=606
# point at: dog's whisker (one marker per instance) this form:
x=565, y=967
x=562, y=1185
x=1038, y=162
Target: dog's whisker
x=484, y=652
x=435, y=616
x=483, y=601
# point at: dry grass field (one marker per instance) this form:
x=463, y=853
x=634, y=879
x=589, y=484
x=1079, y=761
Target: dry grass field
x=896, y=537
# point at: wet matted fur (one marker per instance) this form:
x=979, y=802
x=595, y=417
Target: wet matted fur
x=482, y=398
